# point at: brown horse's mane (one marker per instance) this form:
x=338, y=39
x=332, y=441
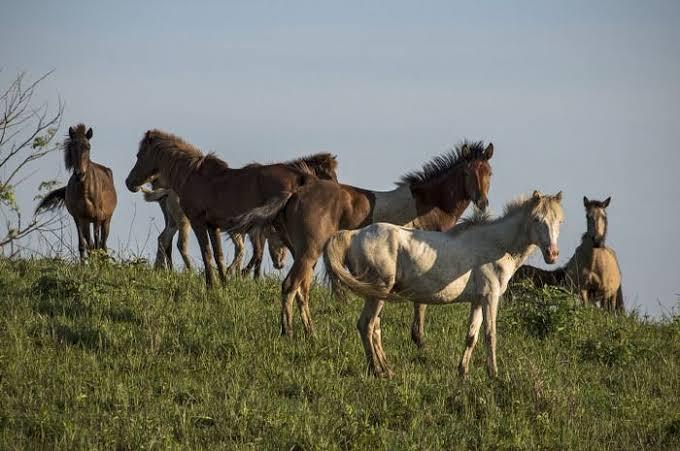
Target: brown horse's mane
x=324, y=161
x=184, y=156
x=79, y=130
x=464, y=152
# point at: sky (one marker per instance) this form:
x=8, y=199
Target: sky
x=577, y=96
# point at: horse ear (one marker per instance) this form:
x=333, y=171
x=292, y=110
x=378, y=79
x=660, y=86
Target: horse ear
x=88, y=135
x=558, y=197
x=585, y=201
x=71, y=132
x=488, y=152
x=606, y=202
x=536, y=194
x=465, y=150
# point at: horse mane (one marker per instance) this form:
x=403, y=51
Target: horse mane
x=166, y=145
x=313, y=163
x=517, y=205
x=79, y=130
x=478, y=217
x=462, y=153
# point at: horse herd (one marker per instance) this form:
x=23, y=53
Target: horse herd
x=406, y=244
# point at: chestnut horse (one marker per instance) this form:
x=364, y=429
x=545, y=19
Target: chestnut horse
x=431, y=199
x=324, y=165
x=90, y=196
x=593, y=271
x=176, y=221
x=213, y=195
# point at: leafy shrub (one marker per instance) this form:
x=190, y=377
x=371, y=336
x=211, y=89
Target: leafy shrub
x=542, y=312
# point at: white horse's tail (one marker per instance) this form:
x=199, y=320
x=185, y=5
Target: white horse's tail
x=155, y=195
x=335, y=258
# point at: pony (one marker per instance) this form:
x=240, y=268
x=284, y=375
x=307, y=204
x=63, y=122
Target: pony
x=176, y=221
x=212, y=195
x=432, y=198
x=323, y=165
x=593, y=271
x=471, y=263
x=89, y=196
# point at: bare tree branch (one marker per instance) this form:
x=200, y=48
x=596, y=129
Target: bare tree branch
x=27, y=134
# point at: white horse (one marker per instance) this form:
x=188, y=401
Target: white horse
x=471, y=263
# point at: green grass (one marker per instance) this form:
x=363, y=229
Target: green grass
x=117, y=355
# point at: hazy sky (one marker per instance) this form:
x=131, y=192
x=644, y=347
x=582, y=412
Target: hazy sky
x=582, y=97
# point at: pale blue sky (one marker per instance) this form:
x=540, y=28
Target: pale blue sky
x=578, y=96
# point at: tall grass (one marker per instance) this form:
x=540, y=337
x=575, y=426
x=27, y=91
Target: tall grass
x=111, y=355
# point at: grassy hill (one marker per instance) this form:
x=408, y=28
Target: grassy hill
x=118, y=355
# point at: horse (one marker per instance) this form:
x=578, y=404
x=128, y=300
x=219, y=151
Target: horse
x=324, y=165
x=213, y=195
x=473, y=263
x=432, y=198
x=593, y=271
x=89, y=196
x=176, y=221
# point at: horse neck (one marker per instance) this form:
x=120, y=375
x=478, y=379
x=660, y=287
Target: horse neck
x=396, y=207
x=175, y=169
x=507, y=236
x=441, y=202
x=434, y=205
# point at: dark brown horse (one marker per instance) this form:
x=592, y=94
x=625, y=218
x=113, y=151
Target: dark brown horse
x=212, y=194
x=323, y=165
x=90, y=196
x=431, y=199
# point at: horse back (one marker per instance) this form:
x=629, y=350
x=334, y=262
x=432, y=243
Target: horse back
x=321, y=208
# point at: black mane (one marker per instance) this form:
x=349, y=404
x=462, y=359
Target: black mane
x=440, y=165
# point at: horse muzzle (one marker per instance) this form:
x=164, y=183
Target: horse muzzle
x=482, y=203
x=550, y=255
x=131, y=186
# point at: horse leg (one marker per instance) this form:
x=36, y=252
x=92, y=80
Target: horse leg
x=96, y=228
x=201, y=233
x=289, y=288
x=164, y=253
x=377, y=345
x=258, y=251
x=307, y=275
x=418, y=325
x=474, y=322
x=106, y=227
x=254, y=242
x=82, y=240
x=489, y=311
x=183, y=244
x=239, y=250
x=365, y=325
x=216, y=241
x=88, y=234
x=584, y=296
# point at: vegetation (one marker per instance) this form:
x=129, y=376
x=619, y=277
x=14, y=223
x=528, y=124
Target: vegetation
x=27, y=132
x=109, y=354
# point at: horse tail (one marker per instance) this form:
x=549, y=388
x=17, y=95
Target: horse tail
x=54, y=199
x=155, y=195
x=335, y=258
x=619, y=299
x=259, y=216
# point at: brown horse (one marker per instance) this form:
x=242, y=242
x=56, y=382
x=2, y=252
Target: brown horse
x=90, y=196
x=593, y=271
x=323, y=165
x=213, y=195
x=176, y=221
x=431, y=199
